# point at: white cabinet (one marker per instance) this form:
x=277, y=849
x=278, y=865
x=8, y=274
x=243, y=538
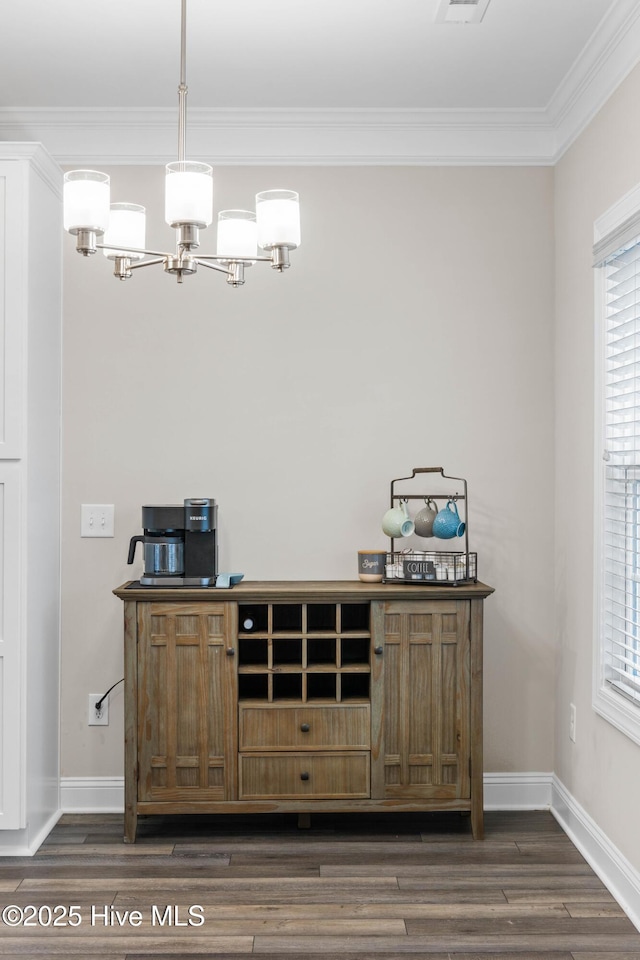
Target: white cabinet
x=30, y=366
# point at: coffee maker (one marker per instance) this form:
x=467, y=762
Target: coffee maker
x=180, y=548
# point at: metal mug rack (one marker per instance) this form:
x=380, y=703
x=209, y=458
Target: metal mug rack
x=461, y=566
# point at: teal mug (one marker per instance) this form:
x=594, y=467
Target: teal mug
x=447, y=523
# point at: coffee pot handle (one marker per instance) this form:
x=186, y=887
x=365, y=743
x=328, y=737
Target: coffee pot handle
x=132, y=547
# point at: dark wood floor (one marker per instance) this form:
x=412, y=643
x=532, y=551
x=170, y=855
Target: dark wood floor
x=364, y=887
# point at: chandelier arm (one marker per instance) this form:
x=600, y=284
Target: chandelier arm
x=147, y=263
x=212, y=266
x=227, y=259
x=132, y=250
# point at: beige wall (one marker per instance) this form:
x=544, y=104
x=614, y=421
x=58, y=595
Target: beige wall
x=415, y=328
x=602, y=769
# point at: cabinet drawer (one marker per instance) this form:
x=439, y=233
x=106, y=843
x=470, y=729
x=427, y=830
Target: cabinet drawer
x=305, y=727
x=297, y=775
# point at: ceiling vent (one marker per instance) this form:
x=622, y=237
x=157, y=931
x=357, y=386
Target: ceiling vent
x=461, y=11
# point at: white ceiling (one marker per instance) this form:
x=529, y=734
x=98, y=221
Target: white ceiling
x=328, y=65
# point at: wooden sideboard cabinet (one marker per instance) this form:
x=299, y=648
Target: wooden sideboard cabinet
x=303, y=697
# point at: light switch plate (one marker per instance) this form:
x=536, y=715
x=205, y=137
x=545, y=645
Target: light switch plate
x=97, y=520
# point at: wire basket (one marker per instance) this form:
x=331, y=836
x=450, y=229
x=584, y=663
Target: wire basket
x=436, y=566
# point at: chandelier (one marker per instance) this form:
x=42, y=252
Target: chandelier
x=274, y=226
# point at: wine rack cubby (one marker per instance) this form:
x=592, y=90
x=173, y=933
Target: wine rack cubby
x=304, y=652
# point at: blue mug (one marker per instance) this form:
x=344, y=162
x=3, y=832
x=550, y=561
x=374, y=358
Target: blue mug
x=447, y=523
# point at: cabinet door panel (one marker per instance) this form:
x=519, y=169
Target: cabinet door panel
x=186, y=696
x=12, y=770
x=13, y=309
x=426, y=699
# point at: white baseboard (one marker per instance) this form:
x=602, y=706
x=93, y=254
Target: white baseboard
x=24, y=843
x=92, y=794
x=502, y=791
x=517, y=791
x=618, y=875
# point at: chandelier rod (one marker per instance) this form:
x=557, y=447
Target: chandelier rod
x=182, y=88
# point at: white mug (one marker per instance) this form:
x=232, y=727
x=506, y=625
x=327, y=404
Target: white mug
x=397, y=522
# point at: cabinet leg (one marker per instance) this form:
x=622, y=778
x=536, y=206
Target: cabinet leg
x=130, y=825
x=304, y=821
x=477, y=823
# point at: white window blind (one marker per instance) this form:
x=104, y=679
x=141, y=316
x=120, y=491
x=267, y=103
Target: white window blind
x=621, y=501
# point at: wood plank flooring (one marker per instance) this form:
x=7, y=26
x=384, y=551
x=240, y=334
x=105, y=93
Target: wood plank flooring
x=364, y=887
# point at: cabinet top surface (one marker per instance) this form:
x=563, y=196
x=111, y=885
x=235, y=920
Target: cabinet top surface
x=300, y=590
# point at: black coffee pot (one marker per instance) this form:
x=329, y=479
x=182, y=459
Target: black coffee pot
x=163, y=542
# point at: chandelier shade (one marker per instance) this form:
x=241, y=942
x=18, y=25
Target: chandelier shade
x=278, y=219
x=237, y=234
x=118, y=229
x=126, y=231
x=86, y=201
x=188, y=194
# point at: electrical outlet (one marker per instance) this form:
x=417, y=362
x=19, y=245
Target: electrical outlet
x=98, y=718
x=572, y=722
x=97, y=520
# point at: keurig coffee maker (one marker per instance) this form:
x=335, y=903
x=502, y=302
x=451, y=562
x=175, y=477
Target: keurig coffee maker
x=180, y=546
x=200, y=550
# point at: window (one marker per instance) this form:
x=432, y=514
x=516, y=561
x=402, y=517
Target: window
x=617, y=647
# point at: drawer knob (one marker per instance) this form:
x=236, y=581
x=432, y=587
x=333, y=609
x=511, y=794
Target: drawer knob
x=378, y=651
x=230, y=652
x=305, y=727
x=304, y=776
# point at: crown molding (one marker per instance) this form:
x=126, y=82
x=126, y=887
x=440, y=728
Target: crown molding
x=313, y=137
x=606, y=60
x=348, y=136
x=41, y=161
